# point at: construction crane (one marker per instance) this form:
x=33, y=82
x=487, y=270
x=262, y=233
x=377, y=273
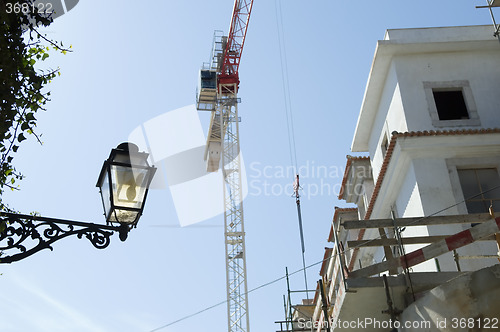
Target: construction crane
x=218, y=93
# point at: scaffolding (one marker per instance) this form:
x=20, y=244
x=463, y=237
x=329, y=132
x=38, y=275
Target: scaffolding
x=339, y=290
x=296, y=315
x=492, y=5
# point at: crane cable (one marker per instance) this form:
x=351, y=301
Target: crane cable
x=286, y=86
x=290, y=128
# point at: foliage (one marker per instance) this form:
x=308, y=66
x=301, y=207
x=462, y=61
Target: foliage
x=22, y=84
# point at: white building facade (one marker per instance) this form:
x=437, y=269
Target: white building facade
x=429, y=127
x=430, y=123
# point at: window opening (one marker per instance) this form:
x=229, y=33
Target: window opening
x=481, y=187
x=450, y=104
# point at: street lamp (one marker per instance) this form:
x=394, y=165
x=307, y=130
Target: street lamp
x=123, y=182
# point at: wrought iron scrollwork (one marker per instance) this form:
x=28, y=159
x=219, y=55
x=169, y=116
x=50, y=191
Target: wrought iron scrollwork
x=23, y=235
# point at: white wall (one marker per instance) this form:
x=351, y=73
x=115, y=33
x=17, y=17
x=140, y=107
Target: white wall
x=480, y=69
x=409, y=204
x=390, y=117
x=468, y=296
x=403, y=104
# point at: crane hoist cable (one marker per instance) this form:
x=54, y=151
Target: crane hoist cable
x=290, y=128
x=286, y=86
x=296, y=187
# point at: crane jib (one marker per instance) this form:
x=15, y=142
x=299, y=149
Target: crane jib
x=236, y=40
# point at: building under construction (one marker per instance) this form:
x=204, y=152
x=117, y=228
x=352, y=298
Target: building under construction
x=419, y=249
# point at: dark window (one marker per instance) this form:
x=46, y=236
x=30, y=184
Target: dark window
x=450, y=104
x=481, y=188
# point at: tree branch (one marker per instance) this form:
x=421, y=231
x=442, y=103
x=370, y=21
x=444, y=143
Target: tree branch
x=50, y=41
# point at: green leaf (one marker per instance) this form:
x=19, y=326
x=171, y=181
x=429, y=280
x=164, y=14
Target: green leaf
x=14, y=148
x=30, y=117
x=45, y=56
x=25, y=126
x=21, y=137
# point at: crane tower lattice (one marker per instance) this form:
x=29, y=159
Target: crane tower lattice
x=218, y=93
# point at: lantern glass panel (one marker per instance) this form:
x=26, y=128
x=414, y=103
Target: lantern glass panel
x=129, y=186
x=105, y=194
x=123, y=216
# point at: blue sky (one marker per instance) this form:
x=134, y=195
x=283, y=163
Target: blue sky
x=134, y=62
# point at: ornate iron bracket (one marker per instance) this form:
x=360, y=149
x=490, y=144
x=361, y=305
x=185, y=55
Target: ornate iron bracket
x=23, y=235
